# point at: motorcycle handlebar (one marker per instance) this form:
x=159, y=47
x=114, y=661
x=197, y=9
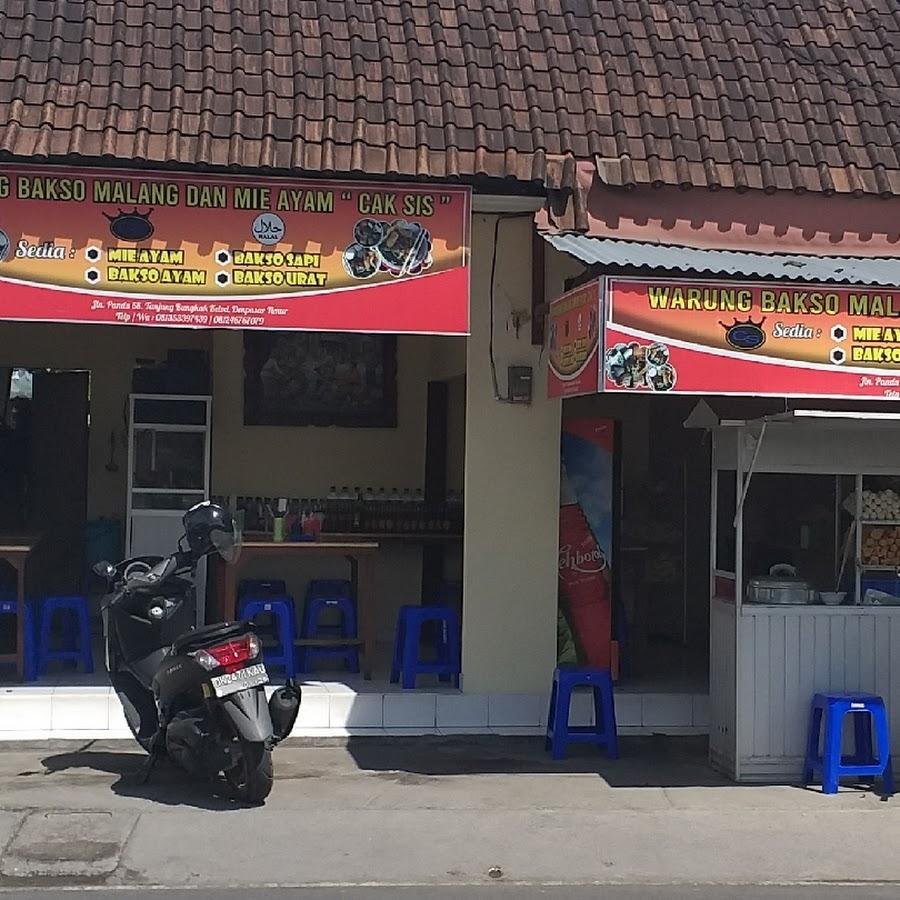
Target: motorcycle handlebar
x=137, y=582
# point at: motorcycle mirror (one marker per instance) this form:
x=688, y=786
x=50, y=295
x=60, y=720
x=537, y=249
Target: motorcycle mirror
x=105, y=569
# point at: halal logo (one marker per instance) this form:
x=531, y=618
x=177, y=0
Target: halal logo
x=131, y=226
x=268, y=228
x=747, y=335
x=4, y=245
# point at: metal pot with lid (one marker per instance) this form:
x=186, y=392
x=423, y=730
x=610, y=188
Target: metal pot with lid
x=781, y=587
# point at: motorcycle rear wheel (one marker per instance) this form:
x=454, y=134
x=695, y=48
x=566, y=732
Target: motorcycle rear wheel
x=251, y=779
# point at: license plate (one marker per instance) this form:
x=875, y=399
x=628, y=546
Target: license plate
x=252, y=676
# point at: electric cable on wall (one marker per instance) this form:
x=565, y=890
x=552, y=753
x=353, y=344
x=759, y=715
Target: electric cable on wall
x=497, y=395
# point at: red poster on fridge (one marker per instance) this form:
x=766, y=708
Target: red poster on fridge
x=587, y=486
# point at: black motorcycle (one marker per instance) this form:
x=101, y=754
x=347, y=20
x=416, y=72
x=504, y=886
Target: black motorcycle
x=196, y=695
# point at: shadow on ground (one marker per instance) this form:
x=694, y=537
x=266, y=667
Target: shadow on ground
x=658, y=761
x=167, y=785
x=652, y=761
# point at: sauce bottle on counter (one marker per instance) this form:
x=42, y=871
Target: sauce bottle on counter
x=331, y=504
x=391, y=524
x=311, y=523
x=381, y=503
x=407, y=513
x=356, y=510
x=368, y=510
x=345, y=515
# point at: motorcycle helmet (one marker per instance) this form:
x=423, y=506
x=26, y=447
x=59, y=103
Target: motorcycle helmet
x=209, y=528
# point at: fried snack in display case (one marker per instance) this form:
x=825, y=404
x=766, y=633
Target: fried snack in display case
x=881, y=545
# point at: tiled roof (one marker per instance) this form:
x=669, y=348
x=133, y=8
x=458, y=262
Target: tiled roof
x=766, y=94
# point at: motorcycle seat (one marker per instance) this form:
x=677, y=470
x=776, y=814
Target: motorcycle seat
x=210, y=634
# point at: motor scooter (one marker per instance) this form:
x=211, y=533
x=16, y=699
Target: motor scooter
x=197, y=695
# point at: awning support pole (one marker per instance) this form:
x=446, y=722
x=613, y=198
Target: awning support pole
x=745, y=485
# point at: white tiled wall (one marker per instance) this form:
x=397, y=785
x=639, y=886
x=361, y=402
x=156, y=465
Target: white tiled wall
x=24, y=710
x=118, y=725
x=333, y=709
x=675, y=710
x=462, y=711
x=79, y=709
x=412, y=710
x=701, y=711
x=314, y=711
x=629, y=710
x=517, y=710
x=356, y=710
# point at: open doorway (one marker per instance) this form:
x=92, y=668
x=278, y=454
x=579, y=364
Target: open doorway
x=43, y=471
x=648, y=510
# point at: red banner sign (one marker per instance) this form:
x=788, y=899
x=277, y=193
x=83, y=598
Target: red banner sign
x=81, y=245
x=751, y=338
x=574, y=327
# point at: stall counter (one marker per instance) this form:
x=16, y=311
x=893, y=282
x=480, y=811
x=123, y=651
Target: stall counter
x=785, y=654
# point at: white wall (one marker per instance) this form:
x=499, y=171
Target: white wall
x=305, y=461
x=512, y=485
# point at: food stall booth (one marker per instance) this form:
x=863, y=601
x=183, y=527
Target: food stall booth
x=804, y=504
x=805, y=583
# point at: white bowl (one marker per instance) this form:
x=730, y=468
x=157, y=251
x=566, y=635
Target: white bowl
x=833, y=598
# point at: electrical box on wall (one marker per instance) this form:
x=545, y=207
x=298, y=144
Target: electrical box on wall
x=520, y=380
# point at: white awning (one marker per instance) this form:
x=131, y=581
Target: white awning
x=839, y=269
x=820, y=417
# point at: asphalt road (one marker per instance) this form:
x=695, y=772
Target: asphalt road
x=493, y=892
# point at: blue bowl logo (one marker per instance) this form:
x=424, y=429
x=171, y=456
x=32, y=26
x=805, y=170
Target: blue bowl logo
x=747, y=335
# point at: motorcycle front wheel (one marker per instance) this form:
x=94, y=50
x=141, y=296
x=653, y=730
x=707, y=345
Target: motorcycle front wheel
x=251, y=779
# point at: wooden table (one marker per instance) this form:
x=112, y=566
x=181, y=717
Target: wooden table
x=15, y=551
x=360, y=555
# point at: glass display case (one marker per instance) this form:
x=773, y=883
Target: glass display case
x=168, y=472
x=876, y=503
x=169, y=460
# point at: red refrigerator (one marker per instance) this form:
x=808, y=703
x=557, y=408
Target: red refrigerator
x=588, y=487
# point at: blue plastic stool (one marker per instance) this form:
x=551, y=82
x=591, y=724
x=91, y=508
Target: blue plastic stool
x=828, y=712
x=312, y=629
x=329, y=587
x=603, y=732
x=262, y=587
x=318, y=604
x=11, y=607
x=77, y=647
x=407, y=661
x=282, y=610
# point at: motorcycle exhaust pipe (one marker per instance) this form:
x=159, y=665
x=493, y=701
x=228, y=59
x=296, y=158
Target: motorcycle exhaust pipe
x=284, y=705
